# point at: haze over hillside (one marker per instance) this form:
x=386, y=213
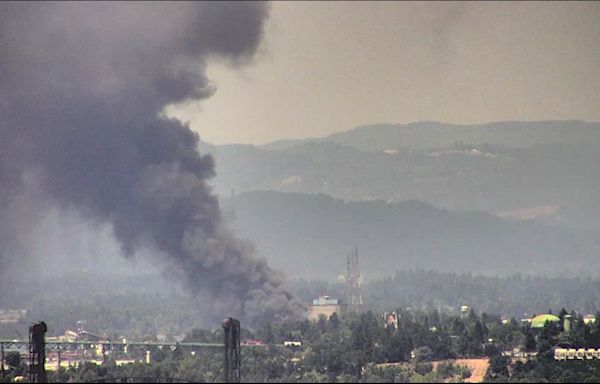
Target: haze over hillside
x=497, y=168
x=495, y=198
x=309, y=236
x=325, y=191
x=432, y=134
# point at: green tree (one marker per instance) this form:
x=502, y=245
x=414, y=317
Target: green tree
x=13, y=359
x=498, y=367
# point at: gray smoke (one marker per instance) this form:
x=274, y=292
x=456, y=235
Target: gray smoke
x=82, y=91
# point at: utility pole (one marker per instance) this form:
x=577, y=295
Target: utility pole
x=37, y=353
x=232, y=362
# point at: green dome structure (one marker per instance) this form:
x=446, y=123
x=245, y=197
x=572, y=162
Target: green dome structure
x=540, y=320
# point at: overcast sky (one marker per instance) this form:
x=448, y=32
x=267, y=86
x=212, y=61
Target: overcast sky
x=328, y=67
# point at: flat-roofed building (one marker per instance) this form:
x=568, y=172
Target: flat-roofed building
x=11, y=316
x=325, y=306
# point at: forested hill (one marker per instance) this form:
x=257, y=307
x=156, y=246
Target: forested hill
x=309, y=236
x=495, y=168
x=435, y=135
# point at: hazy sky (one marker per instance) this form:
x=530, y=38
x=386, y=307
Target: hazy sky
x=328, y=67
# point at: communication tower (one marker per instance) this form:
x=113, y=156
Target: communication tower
x=354, y=282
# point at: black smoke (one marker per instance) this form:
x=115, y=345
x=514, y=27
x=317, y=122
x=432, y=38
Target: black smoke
x=83, y=87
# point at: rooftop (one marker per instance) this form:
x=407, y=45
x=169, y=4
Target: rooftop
x=325, y=300
x=539, y=321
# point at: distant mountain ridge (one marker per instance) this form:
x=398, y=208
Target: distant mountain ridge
x=435, y=135
x=305, y=203
x=309, y=235
x=495, y=168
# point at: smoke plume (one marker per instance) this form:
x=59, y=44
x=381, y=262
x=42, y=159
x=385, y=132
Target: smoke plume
x=82, y=91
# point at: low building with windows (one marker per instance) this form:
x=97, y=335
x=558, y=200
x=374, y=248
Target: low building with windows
x=325, y=306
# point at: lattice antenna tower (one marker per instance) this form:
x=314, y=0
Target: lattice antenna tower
x=354, y=282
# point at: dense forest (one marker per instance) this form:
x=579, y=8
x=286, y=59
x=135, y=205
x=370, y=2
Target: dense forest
x=360, y=348
x=144, y=306
x=426, y=347
x=515, y=295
